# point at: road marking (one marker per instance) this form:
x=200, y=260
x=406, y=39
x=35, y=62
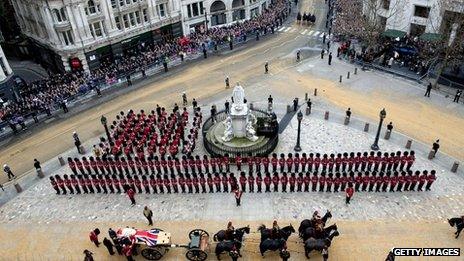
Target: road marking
x=281, y=29
x=293, y=30
x=305, y=30
x=288, y=29
x=317, y=33
x=310, y=32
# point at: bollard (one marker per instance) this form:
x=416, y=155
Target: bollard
x=356, y=70
x=306, y=96
x=81, y=149
x=62, y=162
x=408, y=144
x=340, y=79
x=366, y=127
x=348, y=75
x=387, y=135
x=308, y=110
x=347, y=120
x=326, y=115
x=454, y=169
x=315, y=92
x=40, y=173
x=289, y=108
x=251, y=106
x=18, y=188
x=431, y=155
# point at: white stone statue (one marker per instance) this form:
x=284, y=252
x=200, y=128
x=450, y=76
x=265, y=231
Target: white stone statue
x=250, y=130
x=229, y=131
x=239, y=96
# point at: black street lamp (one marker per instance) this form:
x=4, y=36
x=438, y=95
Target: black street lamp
x=104, y=123
x=206, y=19
x=299, y=116
x=382, y=116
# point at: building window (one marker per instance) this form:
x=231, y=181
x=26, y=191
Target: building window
x=195, y=9
x=189, y=11
x=421, y=11
x=96, y=29
x=126, y=20
x=201, y=7
x=60, y=15
x=67, y=37
x=128, y=2
x=92, y=8
x=254, y=12
x=132, y=19
x=416, y=29
x=121, y=3
x=162, y=11
x=386, y=4
x=118, y=22
x=145, y=15
x=114, y=3
x=137, y=17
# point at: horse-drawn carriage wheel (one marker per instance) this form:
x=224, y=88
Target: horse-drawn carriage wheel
x=198, y=232
x=152, y=254
x=196, y=255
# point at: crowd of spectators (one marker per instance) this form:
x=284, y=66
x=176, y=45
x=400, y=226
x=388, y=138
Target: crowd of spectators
x=42, y=96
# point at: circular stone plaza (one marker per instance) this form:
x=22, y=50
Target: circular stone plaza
x=189, y=166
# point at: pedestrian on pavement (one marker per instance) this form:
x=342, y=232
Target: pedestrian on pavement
x=94, y=236
x=309, y=103
x=295, y=104
x=88, y=255
x=37, y=165
x=298, y=56
x=227, y=106
x=97, y=89
x=77, y=143
x=322, y=54
x=457, y=96
x=227, y=82
x=348, y=113
x=429, y=88
x=390, y=62
x=8, y=171
x=205, y=53
x=128, y=80
x=148, y=214
x=270, y=100
x=349, y=193
x=184, y=98
x=266, y=68
x=390, y=127
x=194, y=104
x=108, y=245
x=238, y=196
x=330, y=58
x=213, y=113
x=75, y=136
x=435, y=147
x=323, y=38
x=165, y=64
x=131, y=195
x=64, y=106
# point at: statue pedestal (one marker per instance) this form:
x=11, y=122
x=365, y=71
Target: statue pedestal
x=239, y=125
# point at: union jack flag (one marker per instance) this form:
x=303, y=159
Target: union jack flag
x=147, y=237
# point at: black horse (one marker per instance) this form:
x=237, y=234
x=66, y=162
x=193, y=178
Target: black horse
x=310, y=223
x=312, y=232
x=284, y=232
x=298, y=17
x=237, y=235
x=319, y=244
x=459, y=223
x=227, y=246
x=272, y=245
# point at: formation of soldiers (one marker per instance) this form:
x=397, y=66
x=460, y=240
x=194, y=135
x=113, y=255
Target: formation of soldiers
x=294, y=173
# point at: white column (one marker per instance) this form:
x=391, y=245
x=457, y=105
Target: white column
x=48, y=21
x=5, y=62
x=229, y=16
x=2, y=75
x=107, y=11
x=152, y=14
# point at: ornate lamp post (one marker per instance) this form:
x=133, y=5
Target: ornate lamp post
x=104, y=123
x=382, y=116
x=206, y=19
x=299, y=117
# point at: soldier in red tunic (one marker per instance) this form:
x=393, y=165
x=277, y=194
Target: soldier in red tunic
x=238, y=162
x=303, y=162
x=358, y=181
x=138, y=184
x=391, y=161
x=232, y=182
x=61, y=184
x=357, y=161
x=386, y=181
x=296, y=162
x=75, y=183
x=299, y=182
x=371, y=160
x=206, y=163
x=242, y=181
x=82, y=183
x=317, y=162
x=393, y=181
x=214, y=162
x=86, y=165
x=152, y=182
x=265, y=161
x=314, y=181
x=54, y=185
x=364, y=161
x=95, y=182
x=397, y=160
x=337, y=182
x=267, y=182
x=407, y=180
x=210, y=182
x=274, y=162
x=275, y=181
x=257, y=160
x=72, y=165
x=414, y=180
x=411, y=160
x=102, y=181
x=217, y=182
x=146, y=184
x=351, y=161
x=250, y=160
x=251, y=182
x=292, y=181
x=225, y=162
x=188, y=182
x=198, y=164
x=306, y=181
x=167, y=183
x=202, y=183
x=331, y=162
x=282, y=162
x=322, y=180
x=67, y=183
x=310, y=162
x=378, y=182
x=196, y=183
x=225, y=184
x=404, y=160
x=324, y=162
x=93, y=165
x=284, y=181
x=430, y=179
x=343, y=181
x=365, y=181
x=191, y=164
x=259, y=181
x=184, y=164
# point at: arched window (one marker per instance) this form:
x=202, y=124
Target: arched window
x=60, y=15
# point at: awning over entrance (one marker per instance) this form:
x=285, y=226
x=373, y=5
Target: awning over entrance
x=430, y=37
x=393, y=33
